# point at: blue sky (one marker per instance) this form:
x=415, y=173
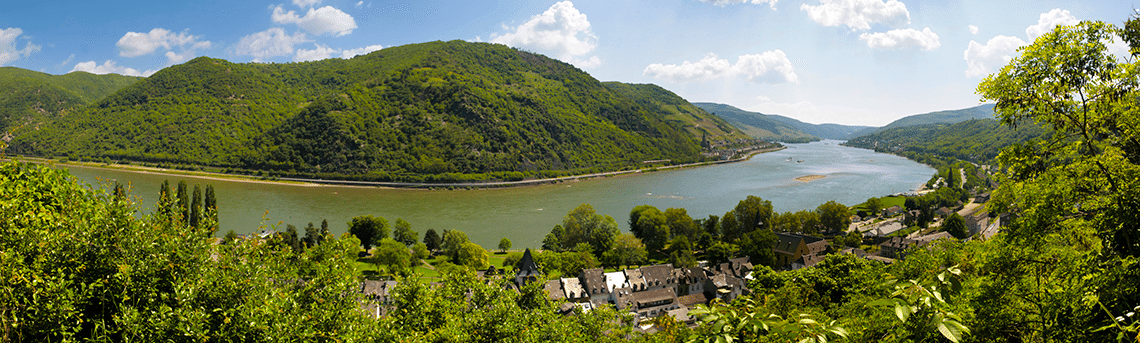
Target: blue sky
x=856, y=62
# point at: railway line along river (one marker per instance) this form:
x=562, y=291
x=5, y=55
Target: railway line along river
x=799, y=177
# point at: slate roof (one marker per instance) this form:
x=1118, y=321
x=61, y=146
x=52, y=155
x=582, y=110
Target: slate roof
x=649, y=297
x=526, y=264
x=594, y=281
x=573, y=289
x=693, y=299
x=635, y=279
x=657, y=275
x=554, y=288
x=623, y=298
x=788, y=242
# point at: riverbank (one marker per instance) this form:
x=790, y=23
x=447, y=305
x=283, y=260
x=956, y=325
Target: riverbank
x=377, y=184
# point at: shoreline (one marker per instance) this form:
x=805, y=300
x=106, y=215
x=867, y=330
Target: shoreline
x=301, y=182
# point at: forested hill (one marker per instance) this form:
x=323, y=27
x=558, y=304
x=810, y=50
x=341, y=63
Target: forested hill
x=977, y=140
x=985, y=111
x=27, y=98
x=421, y=112
x=758, y=125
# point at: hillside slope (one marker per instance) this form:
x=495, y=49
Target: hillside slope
x=985, y=111
x=29, y=97
x=423, y=112
x=977, y=140
x=757, y=125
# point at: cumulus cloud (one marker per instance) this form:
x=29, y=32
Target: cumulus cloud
x=1050, y=20
x=560, y=30
x=722, y=3
x=134, y=44
x=269, y=43
x=109, y=67
x=973, y=29
x=903, y=38
x=858, y=14
x=767, y=67
x=317, y=21
x=8, y=50
x=982, y=60
x=320, y=53
x=350, y=53
x=306, y=3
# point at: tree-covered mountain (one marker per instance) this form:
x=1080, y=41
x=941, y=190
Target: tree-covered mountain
x=769, y=125
x=431, y=111
x=977, y=140
x=985, y=111
x=29, y=97
x=757, y=125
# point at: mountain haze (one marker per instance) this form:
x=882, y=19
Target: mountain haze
x=434, y=111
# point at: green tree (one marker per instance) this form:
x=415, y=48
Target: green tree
x=721, y=252
x=652, y=227
x=681, y=224
x=290, y=239
x=584, y=225
x=681, y=253
x=432, y=240
x=419, y=253
x=628, y=250
x=472, y=255
x=834, y=216
x=551, y=242
x=404, y=234
x=210, y=209
x=392, y=255
x=183, y=202
x=312, y=235
x=757, y=245
x=504, y=245
x=874, y=205
x=956, y=226
x=196, y=208
x=368, y=229
x=750, y=214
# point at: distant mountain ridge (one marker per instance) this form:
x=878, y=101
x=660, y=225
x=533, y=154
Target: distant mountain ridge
x=985, y=111
x=437, y=111
x=777, y=127
x=30, y=97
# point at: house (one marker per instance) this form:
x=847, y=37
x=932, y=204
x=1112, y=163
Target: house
x=977, y=222
x=886, y=229
x=623, y=299
x=573, y=290
x=376, y=297
x=982, y=198
x=527, y=270
x=893, y=210
x=724, y=287
x=791, y=247
x=895, y=247
x=806, y=261
x=655, y=302
x=594, y=283
x=692, y=281
x=635, y=280
x=616, y=280
x=658, y=276
x=554, y=289
x=943, y=212
x=927, y=239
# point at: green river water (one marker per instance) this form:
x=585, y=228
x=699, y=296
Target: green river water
x=526, y=214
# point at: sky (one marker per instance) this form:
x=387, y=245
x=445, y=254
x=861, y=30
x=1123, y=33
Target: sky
x=852, y=62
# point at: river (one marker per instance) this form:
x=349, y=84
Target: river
x=526, y=214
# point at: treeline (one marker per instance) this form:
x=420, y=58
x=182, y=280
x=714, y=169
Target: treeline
x=431, y=112
x=978, y=141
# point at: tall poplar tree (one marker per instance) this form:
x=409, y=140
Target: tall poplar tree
x=195, y=220
x=183, y=202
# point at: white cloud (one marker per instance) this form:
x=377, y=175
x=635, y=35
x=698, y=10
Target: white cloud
x=350, y=53
x=722, y=3
x=902, y=38
x=858, y=14
x=306, y=3
x=109, y=67
x=8, y=51
x=318, y=21
x=269, y=43
x=561, y=30
x=320, y=53
x=982, y=60
x=767, y=67
x=134, y=44
x=1050, y=20
x=973, y=29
